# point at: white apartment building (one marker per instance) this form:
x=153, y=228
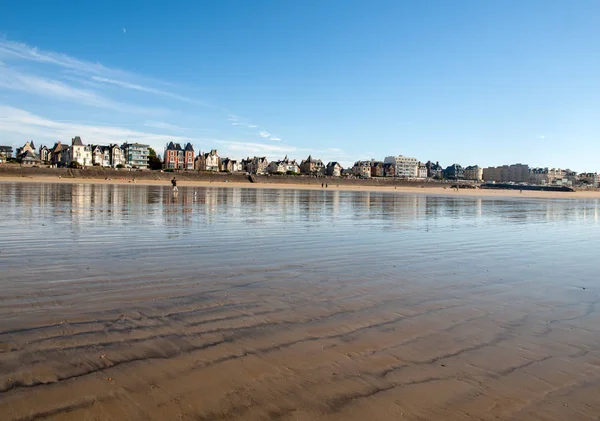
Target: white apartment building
x=80, y=153
x=101, y=155
x=117, y=156
x=212, y=160
x=405, y=166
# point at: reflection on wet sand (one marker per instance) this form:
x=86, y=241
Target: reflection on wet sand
x=134, y=303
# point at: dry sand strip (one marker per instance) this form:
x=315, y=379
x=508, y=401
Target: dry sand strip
x=434, y=190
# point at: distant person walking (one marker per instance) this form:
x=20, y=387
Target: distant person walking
x=174, y=183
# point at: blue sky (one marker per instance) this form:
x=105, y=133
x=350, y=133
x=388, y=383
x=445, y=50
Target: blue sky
x=473, y=82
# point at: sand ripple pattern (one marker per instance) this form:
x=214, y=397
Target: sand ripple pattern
x=130, y=303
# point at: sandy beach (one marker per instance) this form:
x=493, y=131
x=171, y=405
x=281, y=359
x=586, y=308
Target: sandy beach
x=125, y=303
x=235, y=350
x=429, y=190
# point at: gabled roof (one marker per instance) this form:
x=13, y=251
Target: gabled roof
x=77, y=141
x=28, y=156
x=333, y=164
x=311, y=160
x=59, y=147
x=189, y=147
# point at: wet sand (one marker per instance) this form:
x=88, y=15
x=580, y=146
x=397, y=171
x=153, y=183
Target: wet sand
x=240, y=351
x=433, y=190
x=191, y=317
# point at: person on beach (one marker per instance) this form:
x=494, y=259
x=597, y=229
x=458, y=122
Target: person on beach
x=174, y=183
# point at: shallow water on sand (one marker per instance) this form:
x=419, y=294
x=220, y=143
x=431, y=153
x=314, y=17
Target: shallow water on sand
x=133, y=303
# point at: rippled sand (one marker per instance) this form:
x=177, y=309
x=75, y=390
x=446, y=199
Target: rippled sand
x=323, y=317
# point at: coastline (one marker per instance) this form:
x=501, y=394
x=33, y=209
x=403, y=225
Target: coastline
x=311, y=184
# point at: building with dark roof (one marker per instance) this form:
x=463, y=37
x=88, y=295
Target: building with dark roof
x=188, y=157
x=28, y=158
x=454, y=172
x=334, y=169
x=312, y=166
x=173, y=157
x=27, y=154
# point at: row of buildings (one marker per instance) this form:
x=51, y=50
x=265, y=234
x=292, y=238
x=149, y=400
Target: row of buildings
x=178, y=157
x=410, y=168
x=522, y=173
x=76, y=154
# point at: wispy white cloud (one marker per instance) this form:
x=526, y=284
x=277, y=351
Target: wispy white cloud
x=147, y=89
x=11, y=49
x=163, y=125
x=541, y=136
x=15, y=80
x=174, y=128
x=61, y=76
x=266, y=135
x=240, y=122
